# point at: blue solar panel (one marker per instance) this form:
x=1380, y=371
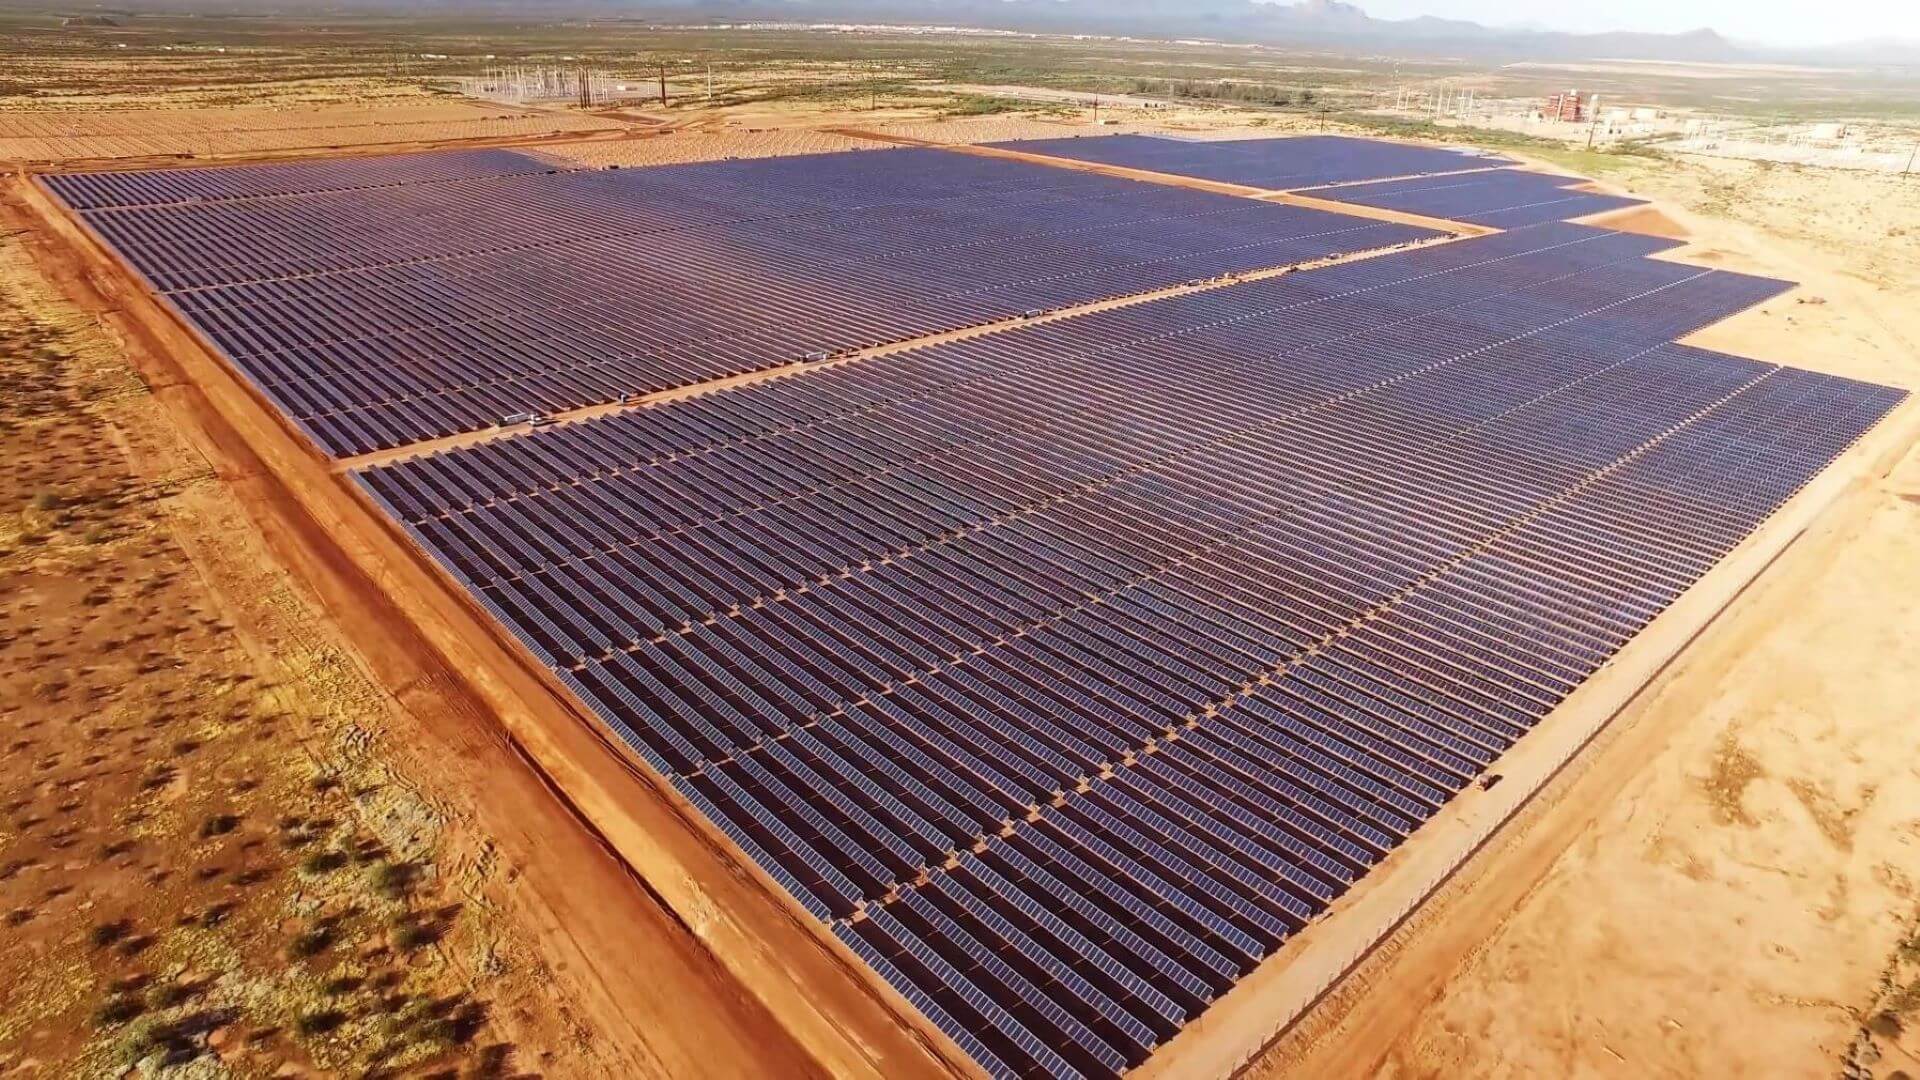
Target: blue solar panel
x=1068, y=671
x=95, y=191
x=1504, y=198
x=386, y=301
x=1285, y=163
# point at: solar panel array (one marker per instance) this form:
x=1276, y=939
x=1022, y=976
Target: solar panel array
x=1276, y=164
x=1503, y=198
x=1066, y=672
x=386, y=301
x=96, y=191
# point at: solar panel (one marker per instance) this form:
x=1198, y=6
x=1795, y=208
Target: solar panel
x=96, y=191
x=385, y=301
x=1504, y=198
x=1067, y=672
x=1273, y=163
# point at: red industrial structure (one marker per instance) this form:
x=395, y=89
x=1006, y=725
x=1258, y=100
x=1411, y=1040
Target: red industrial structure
x=1566, y=107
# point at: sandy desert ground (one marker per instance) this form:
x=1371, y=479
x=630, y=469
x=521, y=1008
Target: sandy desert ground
x=674, y=147
x=50, y=135
x=1725, y=885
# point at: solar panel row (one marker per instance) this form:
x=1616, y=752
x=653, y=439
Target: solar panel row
x=1504, y=198
x=385, y=316
x=93, y=191
x=1067, y=671
x=1274, y=164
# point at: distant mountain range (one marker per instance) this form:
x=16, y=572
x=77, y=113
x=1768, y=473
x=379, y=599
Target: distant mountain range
x=1332, y=25
x=1310, y=23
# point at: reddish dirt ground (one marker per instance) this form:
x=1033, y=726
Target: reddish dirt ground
x=198, y=862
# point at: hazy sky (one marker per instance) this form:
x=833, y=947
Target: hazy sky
x=1780, y=22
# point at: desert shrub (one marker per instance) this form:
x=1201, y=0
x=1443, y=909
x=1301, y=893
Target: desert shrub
x=323, y=862
x=394, y=880
x=311, y=942
x=320, y=1023
x=412, y=932
x=341, y=984
x=218, y=825
x=107, y=933
x=120, y=1010
x=170, y=995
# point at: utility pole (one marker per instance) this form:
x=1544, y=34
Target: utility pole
x=1096, y=110
x=1910, y=157
x=709, y=83
x=663, y=85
